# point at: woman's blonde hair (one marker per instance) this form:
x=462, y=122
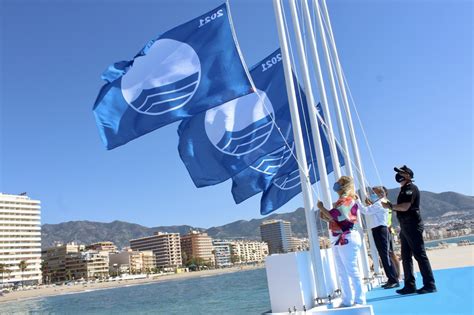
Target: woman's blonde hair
x=347, y=186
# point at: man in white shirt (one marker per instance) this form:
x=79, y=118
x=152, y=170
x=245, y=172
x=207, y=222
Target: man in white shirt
x=379, y=226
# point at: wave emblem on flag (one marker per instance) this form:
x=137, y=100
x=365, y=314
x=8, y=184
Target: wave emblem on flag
x=250, y=127
x=178, y=75
x=163, y=80
x=271, y=164
x=291, y=181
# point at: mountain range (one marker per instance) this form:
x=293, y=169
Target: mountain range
x=433, y=207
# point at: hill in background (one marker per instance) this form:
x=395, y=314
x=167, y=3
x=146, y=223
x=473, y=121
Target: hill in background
x=433, y=207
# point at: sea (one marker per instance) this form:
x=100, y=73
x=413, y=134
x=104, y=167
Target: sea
x=240, y=293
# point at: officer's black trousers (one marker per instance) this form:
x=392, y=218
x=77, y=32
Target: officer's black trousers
x=411, y=238
x=382, y=241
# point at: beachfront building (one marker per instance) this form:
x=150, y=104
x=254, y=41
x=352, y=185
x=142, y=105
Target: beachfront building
x=54, y=261
x=20, y=240
x=222, y=253
x=103, y=247
x=87, y=265
x=248, y=251
x=277, y=234
x=198, y=245
x=302, y=244
x=165, y=246
x=132, y=262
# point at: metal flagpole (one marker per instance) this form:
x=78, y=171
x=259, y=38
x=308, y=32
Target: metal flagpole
x=342, y=133
x=319, y=287
x=326, y=194
x=355, y=147
x=332, y=82
x=322, y=92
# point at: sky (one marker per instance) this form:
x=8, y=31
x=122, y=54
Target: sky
x=409, y=64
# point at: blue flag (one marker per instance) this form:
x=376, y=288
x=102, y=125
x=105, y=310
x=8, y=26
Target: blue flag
x=224, y=140
x=185, y=71
x=284, y=188
x=259, y=176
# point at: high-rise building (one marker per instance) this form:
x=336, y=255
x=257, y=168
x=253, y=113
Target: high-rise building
x=198, y=245
x=20, y=239
x=277, y=234
x=103, y=247
x=222, y=253
x=165, y=246
x=248, y=251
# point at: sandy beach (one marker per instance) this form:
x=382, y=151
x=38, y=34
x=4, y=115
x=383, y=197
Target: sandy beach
x=442, y=258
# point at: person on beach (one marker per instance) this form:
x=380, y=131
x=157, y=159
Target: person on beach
x=342, y=219
x=378, y=223
x=411, y=233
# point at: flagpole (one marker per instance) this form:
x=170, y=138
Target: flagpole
x=322, y=92
x=326, y=194
x=342, y=133
x=300, y=154
x=355, y=147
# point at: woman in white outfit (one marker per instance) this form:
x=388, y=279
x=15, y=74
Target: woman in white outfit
x=342, y=219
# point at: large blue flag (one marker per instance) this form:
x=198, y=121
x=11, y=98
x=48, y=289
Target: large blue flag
x=284, y=188
x=224, y=140
x=185, y=71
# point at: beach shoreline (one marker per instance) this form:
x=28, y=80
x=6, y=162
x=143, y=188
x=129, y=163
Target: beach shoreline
x=440, y=258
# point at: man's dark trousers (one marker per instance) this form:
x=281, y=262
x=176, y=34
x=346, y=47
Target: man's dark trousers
x=411, y=238
x=382, y=241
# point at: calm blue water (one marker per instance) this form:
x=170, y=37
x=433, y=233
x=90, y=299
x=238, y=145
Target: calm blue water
x=236, y=293
x=450, y=240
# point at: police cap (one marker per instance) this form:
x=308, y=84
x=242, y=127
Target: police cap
x=404, y=169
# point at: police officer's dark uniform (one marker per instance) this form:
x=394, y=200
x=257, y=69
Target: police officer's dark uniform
x=411, y=237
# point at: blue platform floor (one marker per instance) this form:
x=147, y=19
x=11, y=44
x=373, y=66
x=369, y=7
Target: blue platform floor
x=455, y=296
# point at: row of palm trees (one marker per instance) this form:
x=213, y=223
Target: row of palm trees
x=23, y=265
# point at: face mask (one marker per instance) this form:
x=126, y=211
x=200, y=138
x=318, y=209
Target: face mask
x=399, y=178
x=336, y=187
x=374, y=197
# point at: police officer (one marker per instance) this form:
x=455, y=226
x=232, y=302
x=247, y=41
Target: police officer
x=411, y=233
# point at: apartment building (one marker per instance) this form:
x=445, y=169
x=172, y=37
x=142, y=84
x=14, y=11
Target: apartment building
x=248, y=251
x=103, y=247
x=165, y=246
x=87, y=265
x=132, y=261
x=20, y=239
x=277, y=234
x=222, y=253
x=54, y=261
x=198, y=245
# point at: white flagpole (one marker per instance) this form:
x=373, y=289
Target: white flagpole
x=342, y=133
x=355, y=147
x=326, y=194
x=322, y=92
x=300, y=153
x=332, y=83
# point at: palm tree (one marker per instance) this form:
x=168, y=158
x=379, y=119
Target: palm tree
x=22, y=265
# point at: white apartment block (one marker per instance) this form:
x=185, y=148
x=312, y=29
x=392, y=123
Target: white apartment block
x=222, y=253
x=165, y=246
x=249, y=251
x=20, y=239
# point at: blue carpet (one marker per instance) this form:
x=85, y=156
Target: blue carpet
x=455, y=296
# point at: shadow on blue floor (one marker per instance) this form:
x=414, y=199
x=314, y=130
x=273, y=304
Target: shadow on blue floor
x=455, y=296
